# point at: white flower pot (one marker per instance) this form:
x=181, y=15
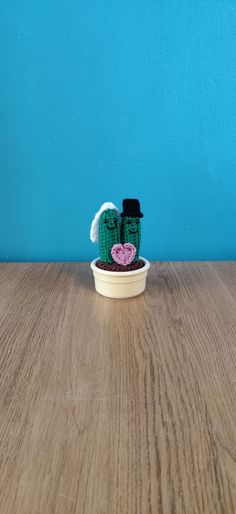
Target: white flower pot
x=120, y=284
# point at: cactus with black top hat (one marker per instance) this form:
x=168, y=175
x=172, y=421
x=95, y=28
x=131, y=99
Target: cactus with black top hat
x=130, y=225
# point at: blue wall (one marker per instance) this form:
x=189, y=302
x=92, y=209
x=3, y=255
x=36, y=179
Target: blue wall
x=106, y=99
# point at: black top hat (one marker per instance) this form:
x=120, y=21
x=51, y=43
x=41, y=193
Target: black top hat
x=131, y=207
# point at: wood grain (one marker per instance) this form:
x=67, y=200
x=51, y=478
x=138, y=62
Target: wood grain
x=118, y=407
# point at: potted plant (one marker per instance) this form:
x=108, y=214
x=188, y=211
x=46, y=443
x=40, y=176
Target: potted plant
x=119, y=271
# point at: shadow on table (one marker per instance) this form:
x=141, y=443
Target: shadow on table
x=172, y=277
x=80, y=274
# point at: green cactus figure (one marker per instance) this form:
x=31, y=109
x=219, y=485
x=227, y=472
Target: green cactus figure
x=130, y=226
x=109, y=233
x=105, y=230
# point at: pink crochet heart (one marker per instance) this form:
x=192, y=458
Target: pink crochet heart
x=123, y=254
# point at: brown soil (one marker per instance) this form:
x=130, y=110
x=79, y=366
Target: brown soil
x=118, y=267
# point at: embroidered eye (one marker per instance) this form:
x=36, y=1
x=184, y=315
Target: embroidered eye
x=105, y=221
x=128, y=222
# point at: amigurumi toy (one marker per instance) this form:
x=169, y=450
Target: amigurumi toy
x=130, y=226
x=105, y=230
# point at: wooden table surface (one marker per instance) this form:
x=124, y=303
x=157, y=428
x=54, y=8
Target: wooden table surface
x=118, y=407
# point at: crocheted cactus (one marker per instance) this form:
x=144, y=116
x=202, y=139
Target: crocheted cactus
x=130, y=226
x=109, y=233
x=105, y=230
